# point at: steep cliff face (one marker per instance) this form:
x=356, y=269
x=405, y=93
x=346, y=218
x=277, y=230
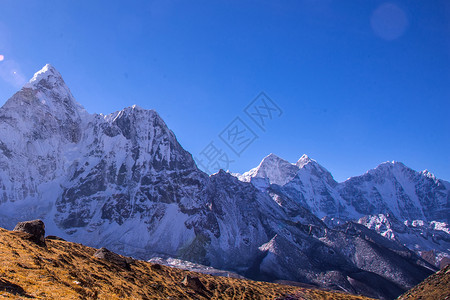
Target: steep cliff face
x=37, y=124
x=124, y=182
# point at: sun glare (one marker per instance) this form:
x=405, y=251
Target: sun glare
x=2, y=57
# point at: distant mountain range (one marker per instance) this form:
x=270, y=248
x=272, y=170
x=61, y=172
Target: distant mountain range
x=123, y=181
x=409, y=207
x=391, y=188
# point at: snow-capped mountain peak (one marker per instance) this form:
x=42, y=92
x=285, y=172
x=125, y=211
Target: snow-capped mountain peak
x=48, y=73
x=136, y=107
x=275, y=169
x=306, y=163
x=47, y=92
x=390, y=165
x=428, y=174
x=271, y=161
x=304, y=160
x=309, y=165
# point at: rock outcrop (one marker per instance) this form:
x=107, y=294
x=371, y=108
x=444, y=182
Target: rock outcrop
x=35, y=228
x=114, y=258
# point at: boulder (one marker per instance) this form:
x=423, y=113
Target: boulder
x=194, y=283
x=35, y=228
x=114, y=258
x=156, y=267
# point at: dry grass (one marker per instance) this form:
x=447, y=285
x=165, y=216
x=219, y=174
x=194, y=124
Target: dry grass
x=435, y=287
x=65, y=270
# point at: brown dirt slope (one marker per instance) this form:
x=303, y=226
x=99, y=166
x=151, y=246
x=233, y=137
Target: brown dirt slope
x=65, y=270
x=435, y=287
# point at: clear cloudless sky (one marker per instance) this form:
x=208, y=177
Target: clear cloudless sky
x=360, y=82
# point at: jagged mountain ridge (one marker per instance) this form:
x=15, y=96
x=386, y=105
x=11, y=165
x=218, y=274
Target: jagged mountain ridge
x=123, y=181
x=411, y=208
x=391, y=188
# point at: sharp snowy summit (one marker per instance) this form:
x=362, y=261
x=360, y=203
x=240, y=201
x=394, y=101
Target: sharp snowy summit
x=124, y=182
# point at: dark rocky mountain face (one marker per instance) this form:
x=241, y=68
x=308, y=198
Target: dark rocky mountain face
x=351, y=258
x=123, y=181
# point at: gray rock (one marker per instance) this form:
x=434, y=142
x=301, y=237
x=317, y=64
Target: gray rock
x=114, y=258
x=35, y=228
x=194, y=283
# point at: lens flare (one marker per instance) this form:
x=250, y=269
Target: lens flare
x=2, y=57
x=389, y=21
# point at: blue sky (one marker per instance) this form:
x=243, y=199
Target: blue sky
x=359, y=82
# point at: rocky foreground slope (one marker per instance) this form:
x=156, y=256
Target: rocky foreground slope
x=65, y=270
x=123, y=181
x=437, y=286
